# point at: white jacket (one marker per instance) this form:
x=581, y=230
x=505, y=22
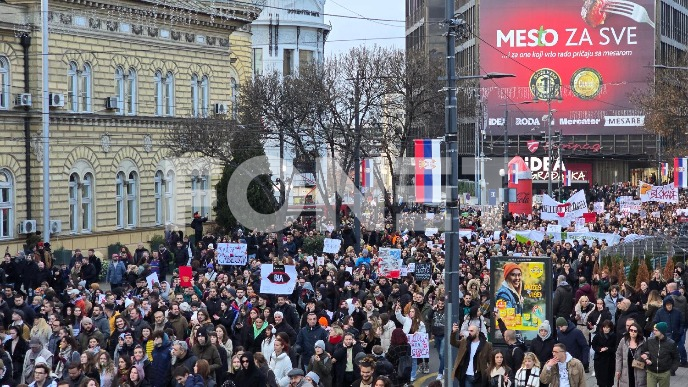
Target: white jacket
x=386, y=337
x=267, y=347
x=281, y=365
x=406, y=322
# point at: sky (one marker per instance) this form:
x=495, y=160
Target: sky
x=347, y=32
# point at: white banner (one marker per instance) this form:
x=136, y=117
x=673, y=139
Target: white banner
x=612, y=239
x=231, y=254
x=575, y=207
x=658, y=193
x=390, y=262
x=332, y=246
x=431, y=231
x=631, y=207
x=277, y=279
x=599, y=207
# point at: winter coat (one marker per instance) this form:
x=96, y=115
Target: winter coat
x=596, y=318
x=585, y=290
x=542, y=348
x=575, y=342
x=650, y=317
x=160, y=367
x=582, y=323
x=481, y=359
x=323, y=368
x=681, y=304
x=575, y=371
x=386, y=337
x=288, y=329
x=663, y=354
x=562, y=303
x=339, y=356
x=281, y=365
x=116, y=273
x=633, y=313
x=604, y=360
x=208, y=352
x=85, y=336
x=622, y=366
x=305, y=341
x=672, y=319
x=610, y=304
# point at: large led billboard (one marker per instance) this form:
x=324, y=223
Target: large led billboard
x=587, y=57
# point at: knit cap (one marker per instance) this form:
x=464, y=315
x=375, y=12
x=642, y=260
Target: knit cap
x=561, y=322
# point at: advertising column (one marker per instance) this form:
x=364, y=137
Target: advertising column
x=583, y=56
x=521, y=179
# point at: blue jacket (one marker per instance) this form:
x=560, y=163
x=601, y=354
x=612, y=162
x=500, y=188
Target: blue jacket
x=116, y=273
x=160, y=368
x=672, y=319
x=305, y=341
x=574, y=341
x=508, y=296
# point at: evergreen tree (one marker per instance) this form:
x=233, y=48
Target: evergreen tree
x=643, y=274
x=669, y=270
x=634, y=270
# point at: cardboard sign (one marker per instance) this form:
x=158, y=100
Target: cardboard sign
x=423, y=271
x=231, y=254
x=332, y=246
x=277, y=279
x=420, y=345
x=320, y=261
x=430, y=231
x=598, y=207
x=185, y=275
x=152, y=279
x=390, y=262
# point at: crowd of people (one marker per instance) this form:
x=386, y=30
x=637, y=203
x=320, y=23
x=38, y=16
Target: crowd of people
x=344, y=324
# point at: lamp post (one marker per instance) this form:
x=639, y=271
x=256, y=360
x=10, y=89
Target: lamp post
x=548, y=118
x=455, y=25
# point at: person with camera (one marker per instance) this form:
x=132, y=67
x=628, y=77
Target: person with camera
x=473, y=356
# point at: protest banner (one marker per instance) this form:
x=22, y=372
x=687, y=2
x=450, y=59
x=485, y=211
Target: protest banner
x=420, y=345
x=390, y=262
x=521, y=291
x=430, y=231
x=331, y=246
x=423, y=271
x=574, y=207
x=152, y=279
x=658, y=193
x=465, y=232
x=231, y=254
x=185, y=275
x=630, y=207
x=277, y=279
x=598, y=207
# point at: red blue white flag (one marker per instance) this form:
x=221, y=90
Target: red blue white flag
x=681, y=172
x=367, y=173
x=428, y=171
x=567, y=177
x=665, y=169
x=513, y=173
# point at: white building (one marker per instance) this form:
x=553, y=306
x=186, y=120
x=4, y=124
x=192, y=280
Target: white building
x=286, y=34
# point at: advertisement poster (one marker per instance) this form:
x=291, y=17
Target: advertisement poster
x=522, y=289
x=580, y=55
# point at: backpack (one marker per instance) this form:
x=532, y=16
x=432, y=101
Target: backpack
x=404, y=367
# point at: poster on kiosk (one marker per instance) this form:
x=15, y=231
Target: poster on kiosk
x=521, y=179
x=521, y=290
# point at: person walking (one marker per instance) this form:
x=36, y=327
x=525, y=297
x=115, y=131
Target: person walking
x=604, y=347
x=660, y=355
x=473, y=350
x=574, y=340
x=626, y=374
x=563, y=367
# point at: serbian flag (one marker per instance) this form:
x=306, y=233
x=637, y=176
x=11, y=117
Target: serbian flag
x=513, y=173
x=428, y=171
x=367, y=173
x=680, y=172
x=664, y=170
x=566, y=177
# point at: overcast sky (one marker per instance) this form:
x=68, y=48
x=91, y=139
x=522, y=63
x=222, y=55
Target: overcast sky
x=347, y=33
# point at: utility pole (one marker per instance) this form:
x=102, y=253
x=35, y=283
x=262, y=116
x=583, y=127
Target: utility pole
x=45, y=116
x=452, y=199
x=357, y=160
x=550, y=165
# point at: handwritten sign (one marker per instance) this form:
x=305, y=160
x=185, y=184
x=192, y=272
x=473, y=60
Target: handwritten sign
x=152, y=279
x=599, y=207
x=658, y=193
x=390, y=262
x=231, y=254
x=420, y=345
x=332, y=246
x=277, y=279
x=185, y=276
x=423, y=271
x=430, y=231
x=320, y=261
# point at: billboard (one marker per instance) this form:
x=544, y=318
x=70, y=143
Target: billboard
x=521, y=288
x=584, y=56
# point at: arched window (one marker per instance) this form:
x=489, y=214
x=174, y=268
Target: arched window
x=74, y=203
x=132, y=185
x=119, y=199
x=4, y=83
x=6, y=204
x=194, y=95
x=170, y=197
x=73, y=86
x=126, y=91
x=81, y=198
x=205, y=95
x=169, y=94
x=234, y=90
x=158, y=193
x=79, y=87
x=87, y=203
x=164, y=197
x=164, y=94
x=200, y=194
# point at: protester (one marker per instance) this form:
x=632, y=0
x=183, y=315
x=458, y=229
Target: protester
x=660, y=355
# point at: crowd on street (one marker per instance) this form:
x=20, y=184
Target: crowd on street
x=344, y=324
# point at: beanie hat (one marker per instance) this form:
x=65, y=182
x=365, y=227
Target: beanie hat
x=561, y=322
x=313, y=376
x=86, y=320
x=662, y=327
x=509, y=267
x=320, y=344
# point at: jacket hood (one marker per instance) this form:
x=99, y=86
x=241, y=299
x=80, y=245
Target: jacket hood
x=668, y=300
x=586, y=288
x=565, y=285
x=545, y=325
x=568, y=357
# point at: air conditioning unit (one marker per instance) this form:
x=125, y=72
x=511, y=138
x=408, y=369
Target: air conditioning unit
x=56, y=99
x=27, y=226
x=220, y=108
x=111, y=103
x=23, y=100
x=55, y=226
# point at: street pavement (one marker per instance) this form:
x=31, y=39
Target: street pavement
x=681, y=378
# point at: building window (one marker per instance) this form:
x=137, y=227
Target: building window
x=119, y=198
x=79, y=88
x=234, y=90
x=288, y=63
x=132, y=185
x=200, y=194
x=4, y=83
x=126, y=91
x=257, y=61
x=80, y=202
x=6, y=204
x=305, y=57
x=158, y=181
x=164, y=94
x=169, y=197
x=205, y=95
x=199, y=96
x=194, y=95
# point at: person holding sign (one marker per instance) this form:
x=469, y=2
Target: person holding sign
x=512, y=286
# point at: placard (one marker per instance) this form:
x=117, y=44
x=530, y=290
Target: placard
x=331, y=246
x=430, y=231
x=320, y=261
x=465, y=232
x=420, y=345
x=231, y=254
x=411, y=267
x=598, y=207
x=423, y=271
x=152, y=279
x=277, y=279
x=390, y=262
x=185, y=275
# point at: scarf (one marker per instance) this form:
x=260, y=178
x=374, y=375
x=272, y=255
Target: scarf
x=257, y=331
x=63, y=358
